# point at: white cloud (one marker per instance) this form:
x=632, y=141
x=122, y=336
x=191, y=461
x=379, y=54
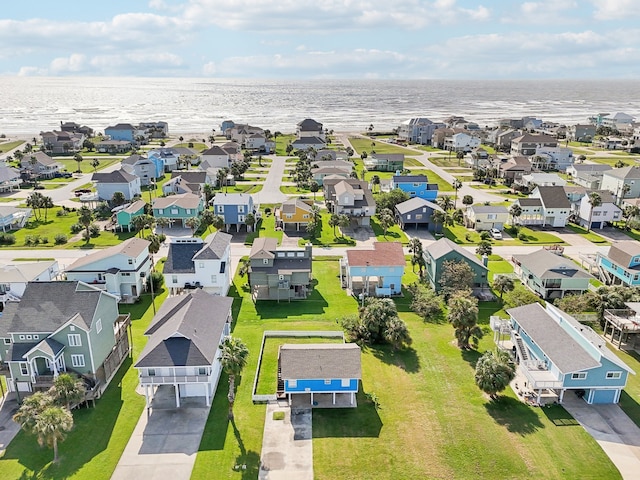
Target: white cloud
x=615, y=9
x=32, y=71
x=543, y=12
x=329, y=15
x=209, y=69
x=73, y=64
x=133, y=63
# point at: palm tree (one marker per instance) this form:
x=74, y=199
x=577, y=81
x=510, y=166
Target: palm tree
x=206, y=219
x=494, y=372
x=250, y=221
x=154, y=245
x=457, y=184
x=67, y=390
x=630, y=212
x=162, y=222
x=95, y=163
x=85, y=218
x=78, y=158
x=218, y=222
x=47, y=203
x=386, y=220
x=193, y=223
x=463, y=315
x=515, y=211
x=595, y=200
x=445, y=202
x=416, y=250
x=626, y=188
x=438, y=217
x=118, y=199
x=233, y=360
x=375, y=181
x=334, y=221
x=343, y=222
x=503, y=284
x=314, y=187
x=396, y=333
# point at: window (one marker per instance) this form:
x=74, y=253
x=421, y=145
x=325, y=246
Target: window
x=293, y=383
x=418, y=216
x=21, y=337
x=223, y=267
x=214, y=279
x=174, y=279
x=188, y=211
x=579, y=376
x=409, y=216
x=220, y=209
x=174, y=211
x=35, y=337
x=99, y=325
x=306, y=215
x=265, y=261
x=28, y=337
x=240, y=208
x=151, y=372
x=24, y=368
x=74, y=340
x=281, y=254
x=289, y=216
x=160, y=211
x=492, y=216
x=77, y=360
x=202, y=370
x=7, y=341
x=300, y=254
x=416, y=185
x=345, y=382
x=291, y=254
x=327, y=382
x=200, y=264
x=614, y=375
x=412, y=194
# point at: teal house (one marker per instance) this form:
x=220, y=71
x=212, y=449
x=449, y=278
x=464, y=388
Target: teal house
x=62, y=327
x=621, y=264
x=556, y=354
x=178, y=208
x=124, y=217
x=320, y=374
x=445, y=250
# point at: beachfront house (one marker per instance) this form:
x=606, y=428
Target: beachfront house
x=557, y=354
x=62, y=326
x=197, y=263
x=317, y=371
x=417, y=212
x=384, y=162
x=183, y=349
x=373, y=272
x=621, y=264
x=415, y=186
x=122, y=270
x=114, y=146
x=279, y=273
x=121, y=131
x=310, y=128
x=62, y=143
x=549, y=275
x=445, y=250
x=418, y=130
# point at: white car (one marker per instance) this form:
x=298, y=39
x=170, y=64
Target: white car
x=495, y=233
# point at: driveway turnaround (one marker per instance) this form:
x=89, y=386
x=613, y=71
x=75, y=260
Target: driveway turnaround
x=165, y=441
x=614, y=431
x=287, y=452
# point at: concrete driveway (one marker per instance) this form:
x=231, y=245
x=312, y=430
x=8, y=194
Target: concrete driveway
x=166, y=439
x=614, y=431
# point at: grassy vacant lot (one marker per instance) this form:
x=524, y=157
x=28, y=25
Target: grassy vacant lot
x=360, y=145
x=433, y=422
x=198, y=146
x=465, y=236
x=325, y=234
x=281, y=143
x=591, y=236
x=412, y=162
x=93, y=448
x=85, y=165
x=394, y=234
x=6, y=146
x=265, y=228
x=612, y=160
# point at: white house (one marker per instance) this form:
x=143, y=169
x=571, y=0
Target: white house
x=214, y=157
x=304, y=143
x=196, y=263
x=545, y=206
x=539, y=179
x=183, y=349
x=121, y=270
x=117, y=181
x=14, y=277
x=552, y=158
x=606, y=213
x=618, y=180
x=461, y=142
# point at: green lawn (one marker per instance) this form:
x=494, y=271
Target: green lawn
x=360, y=145
x=610, y=160
x=394, y=233
x=498, y=265
x=281, y=143
x=265, y=228
x=591, y=236
x=412, y=162
x=93, y=449
x=325, y=234
x=6, y=146
x=48, y=229
x=85, y=165
x=433, y=422
x=447, y=161
x=464, y=236
x=105, y=239
x=293, y=190
x=197, y=145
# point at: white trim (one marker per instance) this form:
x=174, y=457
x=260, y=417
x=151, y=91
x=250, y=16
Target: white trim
x=613, y=372
x=93, y=367
x=77, y=359
x=579, y=376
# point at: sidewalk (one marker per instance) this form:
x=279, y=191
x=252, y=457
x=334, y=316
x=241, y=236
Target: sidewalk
x=8, y=428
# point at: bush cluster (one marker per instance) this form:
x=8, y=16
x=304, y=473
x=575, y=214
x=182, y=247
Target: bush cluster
x=7, y=238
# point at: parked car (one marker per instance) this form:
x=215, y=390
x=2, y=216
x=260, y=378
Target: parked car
x=495, y=233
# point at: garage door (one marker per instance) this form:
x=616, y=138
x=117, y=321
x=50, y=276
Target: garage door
x=604, y=396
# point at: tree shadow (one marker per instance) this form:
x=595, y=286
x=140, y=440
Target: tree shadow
x=90, y=436
x=559, y=416
x=514, y=415
x=362, y=421
x=315, y=303
x=248, y=462
x=406, y=358
x=469, y=355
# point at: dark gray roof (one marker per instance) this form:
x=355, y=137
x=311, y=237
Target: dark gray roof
x=17, y=351
x=180, y=258
x=546, y=265
x=320, y=361
x=186, y=331
x=560, y=347
x=133, y=159
x=46, y=306
x=529, y=202
x=214, y=246
x=193, y=176
x=414, y=204
x=554, y=197
x=622, y=252
x=215, y=150
x=409, y=178
x=117, y=176
x=284, y=266
x=49, y=346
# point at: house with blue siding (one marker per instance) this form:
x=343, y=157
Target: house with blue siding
x=121, y=131
x=320, y=371
x=556, y=353
x=416, y=211
x=415, y=186
x=621, y=265
x=178, y=208
x=375, y=272
x=233, y=207
x=117, y=181
x=148, y=169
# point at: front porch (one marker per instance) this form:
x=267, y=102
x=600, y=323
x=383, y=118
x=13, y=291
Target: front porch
x=323, y=400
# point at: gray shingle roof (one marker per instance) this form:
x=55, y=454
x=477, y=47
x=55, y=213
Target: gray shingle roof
x=180, y=258
x=214, y=246
x=414, y=204
x=131, y=248
x=183, y=200
x=546, y=265
x=529, y=202
x=117, y=176
x=554, y=197
x=622, y=252
x=625, y=173
x=444, y=245
x=263, y=247
x=320, y=361
x=565, y=352
x=186, y=331
x=489, y=209
x=46, y=306
x=232, y=199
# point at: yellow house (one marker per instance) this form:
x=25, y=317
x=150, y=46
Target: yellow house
x=293, y=212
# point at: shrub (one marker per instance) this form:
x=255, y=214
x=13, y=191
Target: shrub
x=76, y=228
x=267, y=211
x=467, y=237
x=60, y=239
x=162, y=237
x=522, y=236
x=94, y=230
x=158, y=280
x=7, y=238
x=45, y=240
x=485, y=235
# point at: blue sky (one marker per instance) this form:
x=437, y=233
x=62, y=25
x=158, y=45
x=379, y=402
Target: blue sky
x=405, y=39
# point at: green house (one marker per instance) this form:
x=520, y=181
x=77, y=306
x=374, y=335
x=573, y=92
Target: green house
x=178, y=208
x=125, y=216
x=62, y=327
x=443, y=250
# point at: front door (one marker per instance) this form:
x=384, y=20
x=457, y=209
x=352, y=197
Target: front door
x=134, y=291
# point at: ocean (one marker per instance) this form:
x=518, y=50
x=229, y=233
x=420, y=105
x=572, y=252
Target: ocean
x=29, y=105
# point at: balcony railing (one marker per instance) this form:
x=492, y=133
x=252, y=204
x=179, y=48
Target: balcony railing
x=625, y=319
x=172, y=379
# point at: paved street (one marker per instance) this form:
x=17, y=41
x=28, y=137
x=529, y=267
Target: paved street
x=270, y=192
